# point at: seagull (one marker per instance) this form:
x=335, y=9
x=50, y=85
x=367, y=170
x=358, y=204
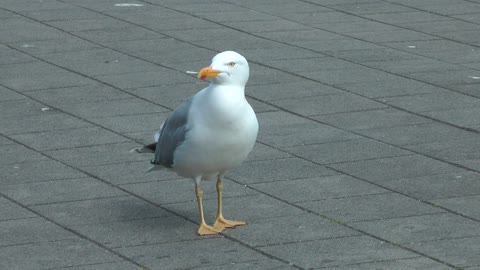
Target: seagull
x=210, y=133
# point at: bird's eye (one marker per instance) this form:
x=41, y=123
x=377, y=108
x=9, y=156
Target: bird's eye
x=232, y=64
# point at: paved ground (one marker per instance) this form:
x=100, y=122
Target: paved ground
x=368, y=155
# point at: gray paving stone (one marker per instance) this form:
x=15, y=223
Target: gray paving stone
x=429, y=45
x=346, y=151
x=336, y=46
x=416, y=134
x=95, y=23
x=9, y=95
x=71, y=138
x=280, y=129
x=60, y=191
x=467, y=205
x=417, y=65
x=395, y=87
x=291, y=7
x=388, y=169
x=131, y=123
x=409, y=230
x=436, y=186
x=22, y=108
x=461, y=252
x=170, y=95
x=103, y=266
x=119, y=234
x=99, y=211
x=453, y=9
x=284, y=52
x=46, y=255
x=29, y=69
x=348, y=27
x=407, y=17
x=236, y=16
x=337, y=251
x=206, y=7
x=321, y=62
x=267, y=265
x=36, y=32
x=266, y=26
x=432, y=102
x=447, y=77
x=39, y=82
x=442, y=26
x=387, y=36
x=409, y=263
x=124, y=66
x=342, y=76
x=40, y=123
x=163, y=50
x=371, y=119
x=318, y=188
x=145, y=78
x=281, y=230
x=261, y=107
x=11, y=211
x=113, y=153
x=78, y=94
x=359, y=55
x=109, y=108
x=10, y=56
x=38, y=170
x=301, y=35
x=70, y=13
x=371, y=207
x=23, y=6
x=271, y=92
x=114, y=35
x=322, y=17
x=328, y=104
x=263, y=152
x=5, y=141
x=165, y=256
x=455, y=57
x=277, y=170
x=129, y=172
x=65, y=44
x=250, y=42
x=183, y=190
x=31, y=230
x=372, y=8
x=453, y=151
x=248, y=208
x=458, y=116
x=16, y=153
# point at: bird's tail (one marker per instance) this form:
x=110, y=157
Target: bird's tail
x=145, y=149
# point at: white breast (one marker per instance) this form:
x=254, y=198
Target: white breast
x=222, y=133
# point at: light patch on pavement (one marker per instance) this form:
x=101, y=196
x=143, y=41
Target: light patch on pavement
x=475, y=77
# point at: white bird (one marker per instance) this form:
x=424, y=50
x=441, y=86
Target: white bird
x=210, y=133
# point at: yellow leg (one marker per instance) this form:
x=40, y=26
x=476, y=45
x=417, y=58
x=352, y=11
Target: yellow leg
x=204, y=228
x=220, y=221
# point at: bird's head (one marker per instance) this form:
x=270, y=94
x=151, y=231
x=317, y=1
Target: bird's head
x=228, y=68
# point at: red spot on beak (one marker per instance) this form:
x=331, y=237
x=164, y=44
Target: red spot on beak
x=203, y=77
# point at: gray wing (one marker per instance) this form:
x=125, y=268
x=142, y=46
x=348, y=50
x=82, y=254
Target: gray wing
x=172, y=135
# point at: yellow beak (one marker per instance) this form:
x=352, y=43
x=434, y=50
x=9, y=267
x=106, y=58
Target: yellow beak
x=208, y=72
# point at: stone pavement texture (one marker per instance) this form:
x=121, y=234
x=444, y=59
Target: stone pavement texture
x=368, y=155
